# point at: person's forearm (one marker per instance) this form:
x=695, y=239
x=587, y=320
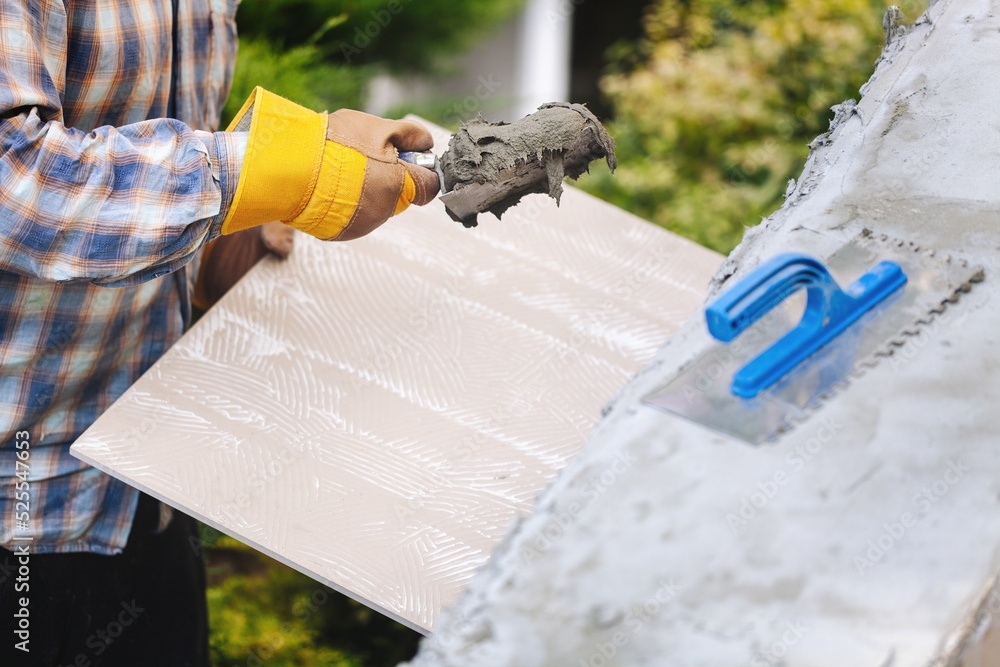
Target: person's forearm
x=114, y=206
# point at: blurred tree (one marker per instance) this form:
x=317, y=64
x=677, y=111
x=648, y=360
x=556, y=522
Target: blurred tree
x=403, y=34
x=323, y=53
x=714, y=108
x=300, y=73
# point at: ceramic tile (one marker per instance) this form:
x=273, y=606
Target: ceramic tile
x=377, y=413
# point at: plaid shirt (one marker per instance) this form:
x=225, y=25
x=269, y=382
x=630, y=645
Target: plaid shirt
x=104, y=202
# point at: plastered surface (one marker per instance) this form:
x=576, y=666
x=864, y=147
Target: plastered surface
x=868, y=536
x=377, y=413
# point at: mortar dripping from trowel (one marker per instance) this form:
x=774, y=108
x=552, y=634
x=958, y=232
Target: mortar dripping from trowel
x=491, y=166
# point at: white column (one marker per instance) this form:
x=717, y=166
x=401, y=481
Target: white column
x=544, y=57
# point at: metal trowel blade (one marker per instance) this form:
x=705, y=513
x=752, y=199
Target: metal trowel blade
x=701, y=390
x=463, y=205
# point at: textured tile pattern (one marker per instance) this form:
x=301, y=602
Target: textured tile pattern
x=376, y=413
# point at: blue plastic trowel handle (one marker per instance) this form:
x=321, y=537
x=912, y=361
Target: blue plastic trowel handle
x=829, y=311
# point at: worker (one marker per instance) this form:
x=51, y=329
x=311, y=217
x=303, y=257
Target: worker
x=113, y=180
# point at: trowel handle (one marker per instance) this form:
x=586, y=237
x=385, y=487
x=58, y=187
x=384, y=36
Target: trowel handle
x=762, y=290
x=830, y=310
x=427, y=160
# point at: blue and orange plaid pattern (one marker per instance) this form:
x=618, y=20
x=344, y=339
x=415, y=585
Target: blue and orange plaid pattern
x=104, y=203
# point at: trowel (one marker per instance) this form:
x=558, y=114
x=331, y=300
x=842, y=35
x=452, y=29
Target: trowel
x=491, y=166
x=787, y=337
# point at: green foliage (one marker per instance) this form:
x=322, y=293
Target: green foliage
x=323, y=53
x=270, y=619
x=299, y=73
x=262, y=612
x=715, y=108
x=405, y=34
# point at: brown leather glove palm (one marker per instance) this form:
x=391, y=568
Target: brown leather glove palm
x=389, y=185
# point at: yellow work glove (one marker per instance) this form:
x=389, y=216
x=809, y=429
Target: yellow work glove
x=334, y=176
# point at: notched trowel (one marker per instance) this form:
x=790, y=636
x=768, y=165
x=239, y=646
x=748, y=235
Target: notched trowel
x=746, y=385
x=491, y=166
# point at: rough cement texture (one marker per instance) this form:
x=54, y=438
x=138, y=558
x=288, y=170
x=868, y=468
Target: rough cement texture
x=503, y=162
x=869, y=535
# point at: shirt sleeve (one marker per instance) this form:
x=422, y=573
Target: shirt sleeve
x=114, y=206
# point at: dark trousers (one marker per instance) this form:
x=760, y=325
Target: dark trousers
x=143, y=607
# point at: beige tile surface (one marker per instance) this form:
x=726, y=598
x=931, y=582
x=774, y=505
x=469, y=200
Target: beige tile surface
x=376, y=413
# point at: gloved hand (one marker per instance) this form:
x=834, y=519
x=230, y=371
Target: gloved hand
x=334, y=176
x=227, y=259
